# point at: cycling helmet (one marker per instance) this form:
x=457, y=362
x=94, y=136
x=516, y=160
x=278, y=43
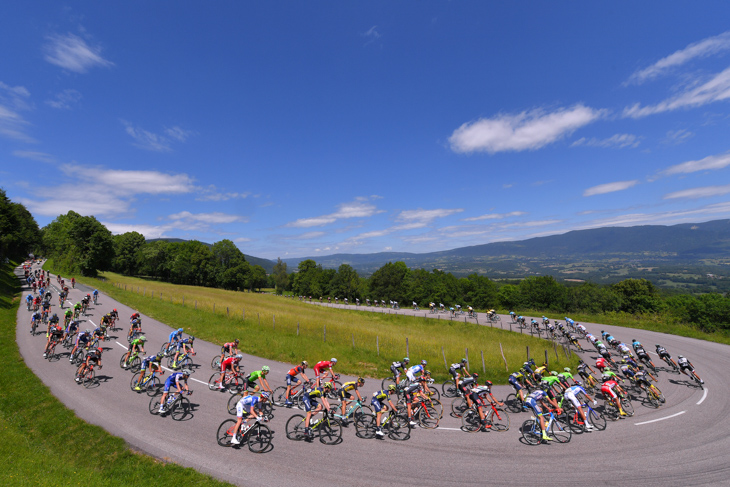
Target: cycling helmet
x=475, y=376
x=100, y=349
x=578, y=382
x=658, y=346
x=305, y=364
x=360, y=380
x=544, y=386
x=265, y=368
x=423, y=362
x=463, y=361
x=623, y=360
x=54, y=315
x=142, y=338
x=265, y=395
x=192, y=339
x=87, y=331
x=333, y=360
x=238, y=356
x=391, y=387
x=681, y=356
x=406, y=360
x=328, y=385
x=554, y=373
x=566, y=369
x=633, y=341
x=427, y=372
x=488, y=383
x=605, y=377
x=115, y=310
x=185, y=372
x=160, y=355
x=179, y=330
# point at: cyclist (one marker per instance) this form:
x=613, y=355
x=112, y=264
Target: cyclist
x=515, y=379
x=247, y=405
x=663, y=354
x=53, y=320
x=324, y=369
x=346, y=397
x=77, y=309
x=153, y=362
x=174, y=381
x=55, y=335
x=479, y=395
x=685, y=365
x=71, y=328
x=174, y=337
x=609, y=383
x=396, y=367
x=230, y=348
x=624, y=349
x=458, y=370
x=416, y=369
x=566, y=375
x=93, y=357
x=410, y=395
x=232, y=364
x=186, y=344
x=260, y=375
x=115, y=315
x=571, y=394
x=379, y=406
x=29, y=301
x=135, y=346
x=554, y=382
x=641, y=354
x=538, y=399
x=73, y=282
x=34, y=318
x=292, y=379
x=311, y=406
x=96, y=295
x=83, y=338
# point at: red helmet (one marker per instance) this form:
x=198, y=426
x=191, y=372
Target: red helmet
x=100, y=349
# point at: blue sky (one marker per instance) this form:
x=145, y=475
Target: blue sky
x=311, y=128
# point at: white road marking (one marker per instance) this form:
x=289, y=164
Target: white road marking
x=661, y=419
x=450, y=429
x=125, y=348
x=703, y=397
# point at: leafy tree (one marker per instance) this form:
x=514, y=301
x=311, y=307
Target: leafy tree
x=509, y=296
x=126, y=247
x=19, y=232
x=79, y=244
x=542, y=293
x=256, y=278
x=280, y=277
x=637, y=296
x=388, y=282
x=345, y=283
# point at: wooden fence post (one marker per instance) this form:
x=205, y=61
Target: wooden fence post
x=546, y=359
x=444, y=354
x=506, y=369
x=484, y=367
x=528, y=353
x=555, y=347
x=407, y=349
x=297, y=328
x=274, y=319
x=377, y=343
x=325, y=333
x=466, y=351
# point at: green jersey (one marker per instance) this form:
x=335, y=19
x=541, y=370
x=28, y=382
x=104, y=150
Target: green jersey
x=255, y=375
x=551, y=379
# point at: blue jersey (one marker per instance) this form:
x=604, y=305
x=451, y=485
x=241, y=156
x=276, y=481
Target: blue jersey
x=416, y=369
x=249, y=402
x=175, y=335
x=172, y=380
x=576, y=390
x=180, y=344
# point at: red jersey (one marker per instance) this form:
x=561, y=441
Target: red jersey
x=322, y=366
x=601, y=363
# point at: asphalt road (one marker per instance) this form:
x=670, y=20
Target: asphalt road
x=685, y=442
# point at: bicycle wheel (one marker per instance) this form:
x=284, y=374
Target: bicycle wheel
x=163, y=348
x=330, y=432
x=513, y=403
x=186, y=363
x=154, y=406
x=458, y=406
x=225, y=432
x=470, y=421
x=627, y=406
x=399, y=427
x=499, y=419
x=295, y=428
x=652, y=399
x=597, y=419
x=365, y=426
x=279, y=396
x=153, y=386
x=180, y=409
x=216, y=363
x=135, y=364
x=386, y=382
x=267, y=409
x=531, y=432
x=428, y=417
x=89, y=378
x=135, y=379
x=259, y=438
x=170, y=361
x=213, y=382
x=449, y=389
x=434, y=393
x=560, y=431
x=122, y=361
x=232, y=401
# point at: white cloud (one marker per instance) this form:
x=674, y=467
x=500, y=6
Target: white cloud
x=13, y=99
x=35, y=156
x=701, y=49
x=703, y=192
x=715, y=89
x=708, y=163
x=372, y=34
x=359, y=208
x=65, y=99
x=306, y=236
x=618, y=141
x=73, y=53
x=524, y=131
x=215, y=217
x=661, y=218
x=677, y=137
x=609, y=187
x=131, y=182
x=149, y=231
x=426, y=216
x=494, y=216
x=212, y=193
x=179, y=134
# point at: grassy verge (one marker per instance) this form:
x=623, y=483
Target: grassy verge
x=364, y=343
x=44, y=443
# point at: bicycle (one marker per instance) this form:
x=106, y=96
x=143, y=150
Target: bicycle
x=695, y=378
x=395, y=425
x=497, y=419
x=355, y=411
x=133, y=363
x=449, y=389
x=611, y=410
x=596, y=418
x=427, y=415
x=267, y=407
x=176, y=404
x=215, y=364
x=78, y=356
x=167, y=348
x=33, y=327
x=532, y=433
x=329, y=428
x=258, y=437
x=89, y=376
x=514, y=403
x=295, y=395
x=653, y=395
x=671, y=363
x=150, y=383
x=231, y=381
x=51, y=353
x=183, y=362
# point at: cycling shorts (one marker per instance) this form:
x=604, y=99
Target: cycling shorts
x=292, y=380
x=686, y=367
x=395, y=370
x=169, y=384
x=570, y=395
x=377, y=405
x=410, y=376
x=309, y=403
x=344, y=394
x=153, y=365
x=240, y=410
x=532, y=403
x=516, y=384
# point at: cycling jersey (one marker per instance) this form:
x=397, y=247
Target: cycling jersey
x=349, y=386
x=183, y=343
x=152, y=359
x=174, y=336
x=571, y=394
x=607, y=388
x=136, y=342
x=551, y=379
x=173, y=381
x=322, y=366
x=253, y=376
x=246, y=404
x=229, y=363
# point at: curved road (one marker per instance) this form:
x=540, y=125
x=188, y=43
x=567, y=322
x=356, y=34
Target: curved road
x=685, y=442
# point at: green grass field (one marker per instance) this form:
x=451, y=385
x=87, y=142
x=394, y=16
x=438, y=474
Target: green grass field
x=287, y=330
x=44, y=443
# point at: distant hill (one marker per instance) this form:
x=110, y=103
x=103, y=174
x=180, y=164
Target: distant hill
x=267, y=264
x=705, y=244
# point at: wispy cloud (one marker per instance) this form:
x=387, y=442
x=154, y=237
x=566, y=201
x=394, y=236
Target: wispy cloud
x=720, y=161
x=72, y=53
x=703, y=192
x=65, y=99
x=528, y=130
x=147, y=140
x=306, y=236
x=618, y=141
x=215, y=217
x=35, y=156
x=13, y=100
x=609, y=187
x=212, y=193
x=717, y=88
x=425, y=217
x=360, y=208
x=676, y=137
x=701, y=49
x=371, y=35
x=494, y=216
